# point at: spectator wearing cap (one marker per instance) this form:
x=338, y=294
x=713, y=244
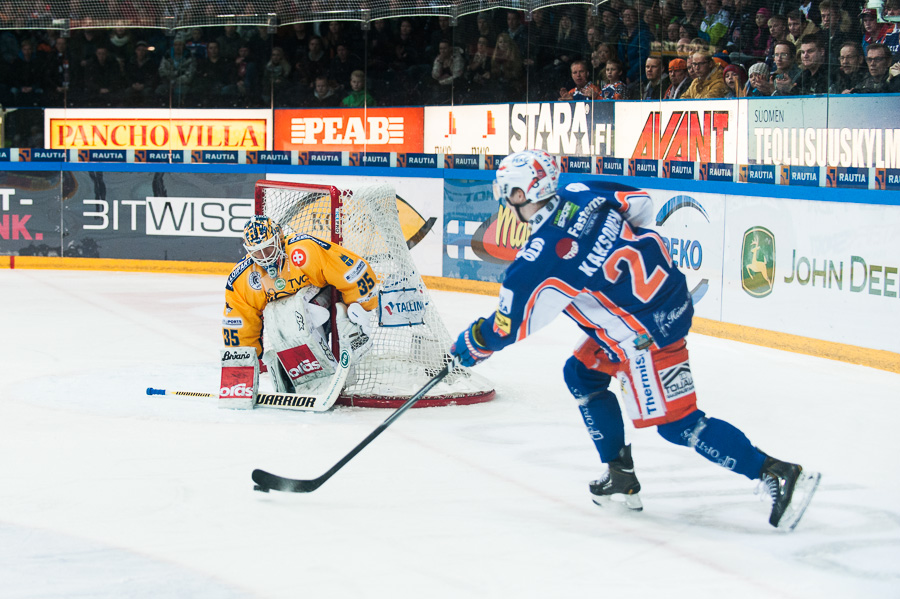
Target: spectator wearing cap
x=879, y=80
x=759, y=43
x=736, y=79
x=141, y=76
x=678, y=79
x=873, y=31
x=709, y=82
x=759, y=82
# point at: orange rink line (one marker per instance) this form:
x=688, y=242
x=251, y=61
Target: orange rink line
x=874, y=358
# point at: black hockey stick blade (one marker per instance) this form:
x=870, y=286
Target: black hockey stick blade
x=266, y=481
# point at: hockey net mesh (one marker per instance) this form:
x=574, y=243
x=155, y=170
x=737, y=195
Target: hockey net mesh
x=402, y=358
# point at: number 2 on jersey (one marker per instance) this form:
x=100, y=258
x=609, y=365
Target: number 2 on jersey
x=642, y=286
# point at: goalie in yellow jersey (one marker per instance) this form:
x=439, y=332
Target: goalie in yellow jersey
x=282, y=283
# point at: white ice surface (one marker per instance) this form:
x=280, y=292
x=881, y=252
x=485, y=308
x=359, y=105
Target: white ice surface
x=108, y=493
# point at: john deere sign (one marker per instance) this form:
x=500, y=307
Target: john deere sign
x=758, y=262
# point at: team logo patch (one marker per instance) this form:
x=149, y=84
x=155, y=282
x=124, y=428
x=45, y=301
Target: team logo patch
x=298, y=257
x=255, y=280
x=506, y=300
x=564, y=214
x=502, y=324
x=355, y=272
x=677, y=381
x=567, y=248
x=533, y=250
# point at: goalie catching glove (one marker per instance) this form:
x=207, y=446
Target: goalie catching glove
x=354, y=324
x=469, y=346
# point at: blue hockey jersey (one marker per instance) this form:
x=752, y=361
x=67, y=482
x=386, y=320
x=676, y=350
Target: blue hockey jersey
x=616, y=281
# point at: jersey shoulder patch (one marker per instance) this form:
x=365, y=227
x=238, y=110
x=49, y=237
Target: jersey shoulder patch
x=301, y=236
x=239, y=268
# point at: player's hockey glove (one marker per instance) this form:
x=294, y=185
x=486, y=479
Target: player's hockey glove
x=469, y=346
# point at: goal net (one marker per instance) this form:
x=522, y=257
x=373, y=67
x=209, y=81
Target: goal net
x=410, y=342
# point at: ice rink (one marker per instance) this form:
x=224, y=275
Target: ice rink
x=108, y=493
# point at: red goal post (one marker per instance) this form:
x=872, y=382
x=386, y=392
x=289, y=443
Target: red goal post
x=410, y=342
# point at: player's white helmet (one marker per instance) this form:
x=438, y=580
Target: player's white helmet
x=263, y=240
x=533, y=171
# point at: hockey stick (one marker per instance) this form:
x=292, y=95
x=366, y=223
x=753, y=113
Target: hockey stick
x=266, y=481
x=313, y=402
x=152, y=391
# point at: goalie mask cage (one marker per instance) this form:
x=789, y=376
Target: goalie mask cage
x=403, y=358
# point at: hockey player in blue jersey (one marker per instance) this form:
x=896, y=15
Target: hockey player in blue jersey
x=587, y=256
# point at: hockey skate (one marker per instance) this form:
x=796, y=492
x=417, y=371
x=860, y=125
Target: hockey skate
x=791, y=488
x=619, y=487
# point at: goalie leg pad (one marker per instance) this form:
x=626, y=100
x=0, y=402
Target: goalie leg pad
x=240, y=378
x=297, y=352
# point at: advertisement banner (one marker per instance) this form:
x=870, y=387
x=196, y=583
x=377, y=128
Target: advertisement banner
x=29, y=212
x=349, y=129
x=479, y=129
x=157, y=129
x=856, y=131
x=480, y=237
x=688, y=130
x=813, y=269
x=692, y=225
x=563, y=128
x=144, y=216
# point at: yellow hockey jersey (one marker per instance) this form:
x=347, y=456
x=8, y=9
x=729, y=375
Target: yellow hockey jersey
x=308, y=261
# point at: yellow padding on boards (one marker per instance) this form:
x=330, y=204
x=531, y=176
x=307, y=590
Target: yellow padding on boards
x=883, y=360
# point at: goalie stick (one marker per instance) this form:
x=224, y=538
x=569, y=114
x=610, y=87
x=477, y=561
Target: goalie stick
x=313, y=402
x=266, y=481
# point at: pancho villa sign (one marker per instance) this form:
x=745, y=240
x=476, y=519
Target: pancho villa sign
x=126, y=129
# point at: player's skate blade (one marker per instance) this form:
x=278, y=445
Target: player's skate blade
x=804, y=489
x=619, y=501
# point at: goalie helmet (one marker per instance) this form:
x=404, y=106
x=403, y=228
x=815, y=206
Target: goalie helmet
x=533, y=171
x=263, y=240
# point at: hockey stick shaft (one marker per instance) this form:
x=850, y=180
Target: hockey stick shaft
x=265, y=480
x=152, y=391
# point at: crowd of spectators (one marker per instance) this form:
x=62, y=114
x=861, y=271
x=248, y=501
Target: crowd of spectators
x=637, y=50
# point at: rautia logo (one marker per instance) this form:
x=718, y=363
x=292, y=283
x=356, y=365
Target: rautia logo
x=758, y=262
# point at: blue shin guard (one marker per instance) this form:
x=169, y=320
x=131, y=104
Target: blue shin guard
x=717, y=441
x=598, y=407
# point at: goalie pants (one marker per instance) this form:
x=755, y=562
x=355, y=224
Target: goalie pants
x=588, y=374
